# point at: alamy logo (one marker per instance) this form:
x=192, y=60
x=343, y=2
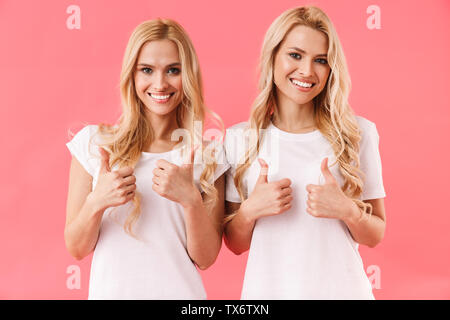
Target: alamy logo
x=74, y=20
x=374, y=20
x=374, y=274
x=74, y=279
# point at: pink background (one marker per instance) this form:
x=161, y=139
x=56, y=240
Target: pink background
x=54, y=79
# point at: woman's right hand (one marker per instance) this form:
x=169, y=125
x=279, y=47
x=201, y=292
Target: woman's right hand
x=267, y=198
x=113, y=188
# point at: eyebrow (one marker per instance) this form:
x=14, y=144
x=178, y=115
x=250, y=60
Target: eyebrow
x=170, y=65
x=303, y=51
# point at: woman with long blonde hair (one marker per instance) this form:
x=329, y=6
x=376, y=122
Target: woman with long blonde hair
x=305, y=184
x=148, y=205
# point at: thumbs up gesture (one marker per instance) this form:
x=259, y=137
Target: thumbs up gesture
x=113, y=188
x=328, y=200
x=267, y=198
x=176, y=183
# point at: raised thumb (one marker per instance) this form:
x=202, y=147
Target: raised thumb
x=264, y=171
x=329, y=178
x=189, y=160
x=104, y=165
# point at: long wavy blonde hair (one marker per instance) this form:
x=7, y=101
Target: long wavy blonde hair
x=333, y=115
x=134, y=134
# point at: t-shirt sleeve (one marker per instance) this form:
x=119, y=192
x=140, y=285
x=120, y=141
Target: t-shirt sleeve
x=221, y=163
x=232, y=138
x=79, y=148
x=370, y=163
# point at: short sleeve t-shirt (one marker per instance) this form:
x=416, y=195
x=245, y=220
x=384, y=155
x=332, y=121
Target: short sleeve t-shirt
x=157, y=264
x=295, y=255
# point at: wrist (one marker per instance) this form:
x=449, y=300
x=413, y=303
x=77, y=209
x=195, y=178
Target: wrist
x=246, y=214
x=194, y=201
x=353, y=213
x=95, y=208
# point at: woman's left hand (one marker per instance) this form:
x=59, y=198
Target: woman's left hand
x=328, y=200
x=176, y=183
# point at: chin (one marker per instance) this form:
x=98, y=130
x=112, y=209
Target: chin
x=303, y=99
x=161, y=110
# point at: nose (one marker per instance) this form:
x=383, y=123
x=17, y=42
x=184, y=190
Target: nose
x=159, y=81
x=305, y=67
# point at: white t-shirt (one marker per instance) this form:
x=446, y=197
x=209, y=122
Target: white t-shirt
x=295, y=255
x=158, y=265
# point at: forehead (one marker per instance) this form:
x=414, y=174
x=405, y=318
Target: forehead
x=159, y=52
x=312, y=41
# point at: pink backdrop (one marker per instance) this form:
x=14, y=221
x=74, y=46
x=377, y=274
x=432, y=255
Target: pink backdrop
x=54, y=79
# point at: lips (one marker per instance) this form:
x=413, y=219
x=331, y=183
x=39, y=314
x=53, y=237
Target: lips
x=302, y=83
x=160, y=97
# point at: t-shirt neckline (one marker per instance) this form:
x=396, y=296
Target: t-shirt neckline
x=149, y=155
x=295, y=136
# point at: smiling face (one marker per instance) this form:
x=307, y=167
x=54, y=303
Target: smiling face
x=158, y=76
x=301, y=68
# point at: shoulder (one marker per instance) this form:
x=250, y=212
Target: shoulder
x=235, y=131
x=234, y=134
x=86, y=132
x=82, y=136
x=235, y=141
x=368, y=128
x=364, y=124
x=369, y=133
x=89, y=139
x=238, y=126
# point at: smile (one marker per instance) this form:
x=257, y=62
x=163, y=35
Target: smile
x=159, y=98
x=302, y=84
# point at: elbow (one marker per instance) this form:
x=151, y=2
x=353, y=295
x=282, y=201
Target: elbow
x=78, y=257
x=236, y=250
x=376, y=241
x=74, y=252
x=207, y=261
x=204, y=266
x=377, y=238
x=372, y=245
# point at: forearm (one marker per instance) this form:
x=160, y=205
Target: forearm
x=82, y=233
x=204, y=236
x=238, y=233
x=365, y=229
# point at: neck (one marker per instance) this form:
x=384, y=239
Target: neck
x=163, y=125
x=292, y=117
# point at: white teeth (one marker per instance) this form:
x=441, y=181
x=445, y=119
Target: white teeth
x=159, y=97
x=302, y=84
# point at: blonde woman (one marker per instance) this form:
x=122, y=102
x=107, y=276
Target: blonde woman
x=305, y=185
x=147, y=204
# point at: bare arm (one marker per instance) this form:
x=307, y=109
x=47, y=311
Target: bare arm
x=85, y=207
x=83, y=218
x=266, y=199
x=204, y=229
x=238, y=232
x=367, y=230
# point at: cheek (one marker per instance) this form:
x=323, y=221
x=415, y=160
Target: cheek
x=177, y=83
x=323, y=76
x=282, y=68
x=141, y=83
